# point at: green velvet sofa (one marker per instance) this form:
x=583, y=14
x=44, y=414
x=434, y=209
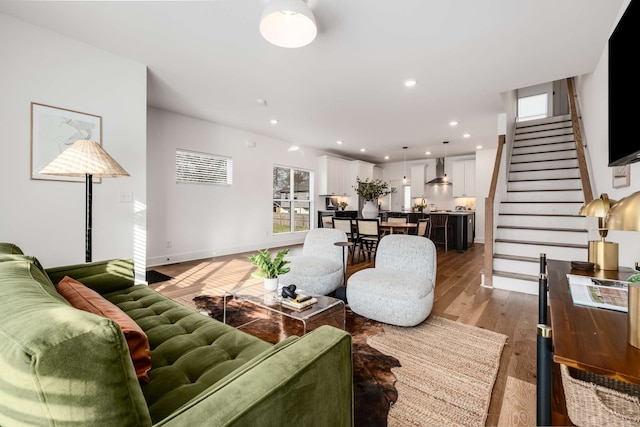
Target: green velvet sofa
x=61, y=366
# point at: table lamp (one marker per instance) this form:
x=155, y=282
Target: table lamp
x=604, y=255
x=85, y=159
x=625, y=216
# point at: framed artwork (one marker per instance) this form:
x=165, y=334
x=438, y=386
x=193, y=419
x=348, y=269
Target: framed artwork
x=53, y=130
x=621, y=176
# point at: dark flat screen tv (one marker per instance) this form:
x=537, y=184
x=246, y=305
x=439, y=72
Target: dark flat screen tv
x=624, y=88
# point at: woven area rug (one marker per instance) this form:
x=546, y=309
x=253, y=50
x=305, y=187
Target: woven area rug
x=446, y=374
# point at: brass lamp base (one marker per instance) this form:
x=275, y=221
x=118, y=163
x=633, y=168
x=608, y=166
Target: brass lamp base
x=633, y=316
x=603, y=254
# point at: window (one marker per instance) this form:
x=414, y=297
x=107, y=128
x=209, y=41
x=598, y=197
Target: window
x=406, y=197
x=291, y=200
x=532, y=107
x=193, y=167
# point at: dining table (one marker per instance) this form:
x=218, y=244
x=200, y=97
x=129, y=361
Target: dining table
x=405, y=227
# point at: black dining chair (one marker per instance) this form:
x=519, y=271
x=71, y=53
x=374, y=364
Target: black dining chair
x=347, y=225
x=423, y=228
x=368, y=237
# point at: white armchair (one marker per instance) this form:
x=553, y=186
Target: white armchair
x=319, y=269
x=399, y=289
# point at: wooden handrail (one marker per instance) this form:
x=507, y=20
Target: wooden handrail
x=488, y=215
x=577, y=136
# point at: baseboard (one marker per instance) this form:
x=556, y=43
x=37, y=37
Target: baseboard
x=192, y=256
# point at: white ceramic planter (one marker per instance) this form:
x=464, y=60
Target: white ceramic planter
x=270, y=284
x=370, y=210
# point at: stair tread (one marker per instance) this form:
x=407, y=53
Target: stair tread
x=542, y=152
x=518, y=276
x=544, y=214
x=517, y=258
x=541, y=201
x=521, y=227
x=543, y=169
x=533, y=242
x=542, y=179
x=546, y=160
x=544, y=189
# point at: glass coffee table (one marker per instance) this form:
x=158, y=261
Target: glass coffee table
x=327, y=310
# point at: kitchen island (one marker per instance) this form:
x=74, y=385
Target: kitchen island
x=463, y=224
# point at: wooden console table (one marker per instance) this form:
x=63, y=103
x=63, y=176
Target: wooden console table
x=591, y=339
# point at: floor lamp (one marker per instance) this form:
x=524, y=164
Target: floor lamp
x=85, y=159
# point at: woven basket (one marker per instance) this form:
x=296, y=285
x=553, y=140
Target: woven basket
x=596, y=400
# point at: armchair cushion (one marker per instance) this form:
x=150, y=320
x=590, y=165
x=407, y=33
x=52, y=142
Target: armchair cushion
x=313, y=266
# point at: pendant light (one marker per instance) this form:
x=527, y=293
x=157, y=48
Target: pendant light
x=404, y=178
x=288, y=23
x=445, y=162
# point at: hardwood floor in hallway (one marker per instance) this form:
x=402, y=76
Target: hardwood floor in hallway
x=458, y=296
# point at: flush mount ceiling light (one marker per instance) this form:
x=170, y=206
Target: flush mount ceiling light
x=288, y=23
x=410, y=82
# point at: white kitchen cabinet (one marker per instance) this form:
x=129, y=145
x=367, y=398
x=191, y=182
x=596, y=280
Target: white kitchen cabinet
x=417, y=181
x=362, y=170
x=464, y=178
x=333, y=176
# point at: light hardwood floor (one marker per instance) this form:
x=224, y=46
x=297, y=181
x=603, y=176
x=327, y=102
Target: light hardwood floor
x=458, y=296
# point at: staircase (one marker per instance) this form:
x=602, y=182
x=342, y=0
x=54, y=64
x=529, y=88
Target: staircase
x=540, y=211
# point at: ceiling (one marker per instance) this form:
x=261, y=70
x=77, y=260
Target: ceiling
x=206, y=59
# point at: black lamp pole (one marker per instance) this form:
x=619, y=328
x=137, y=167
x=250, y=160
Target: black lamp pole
x=87, y=232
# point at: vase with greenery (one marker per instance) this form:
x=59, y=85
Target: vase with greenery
x=270, y=268
x=342, y=205
x=370, y=191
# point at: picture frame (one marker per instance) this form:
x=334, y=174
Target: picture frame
x=621, y=176
x=53, y=130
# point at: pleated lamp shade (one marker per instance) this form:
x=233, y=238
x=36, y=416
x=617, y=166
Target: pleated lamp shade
x=82, y=158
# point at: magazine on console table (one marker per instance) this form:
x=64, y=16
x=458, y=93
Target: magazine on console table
x=601, y=293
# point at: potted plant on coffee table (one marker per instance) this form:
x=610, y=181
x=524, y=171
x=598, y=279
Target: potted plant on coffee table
x=270, y=268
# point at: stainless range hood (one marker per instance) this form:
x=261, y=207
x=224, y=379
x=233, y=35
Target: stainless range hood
x=441, y=177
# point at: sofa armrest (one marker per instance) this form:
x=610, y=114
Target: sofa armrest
x=307, y=381
x=101, y=276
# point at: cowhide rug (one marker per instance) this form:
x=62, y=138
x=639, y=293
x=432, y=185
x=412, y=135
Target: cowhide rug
x=374, y=390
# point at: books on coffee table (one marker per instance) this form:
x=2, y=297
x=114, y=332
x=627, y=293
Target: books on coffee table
x=299, y=303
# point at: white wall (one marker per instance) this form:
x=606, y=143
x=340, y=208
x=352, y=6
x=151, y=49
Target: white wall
x=46, y=218
x=209, y=220
x=592, y=92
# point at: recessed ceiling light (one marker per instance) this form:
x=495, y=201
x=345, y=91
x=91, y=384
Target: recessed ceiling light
x=294, y=148
x=478, y=147
x=386, y=157
x=410, y=82
x=362, y=150
x=339, y=142
x=466, y=135
x=273, y=121
x=453, y=123
x=427, y=152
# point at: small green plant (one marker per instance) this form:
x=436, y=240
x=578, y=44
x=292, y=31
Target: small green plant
x=342, y=205
x=269, y=268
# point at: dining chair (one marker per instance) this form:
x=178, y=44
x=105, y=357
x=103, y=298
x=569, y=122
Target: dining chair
x=347, y=225
x=423, y=227
x=439, y=229
x=368, y=237
x=326, y=220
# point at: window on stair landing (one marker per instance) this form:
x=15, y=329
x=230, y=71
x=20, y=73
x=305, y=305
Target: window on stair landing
x=291, y=200
x=533, y=107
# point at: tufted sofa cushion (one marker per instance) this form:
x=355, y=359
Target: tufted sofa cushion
x=189, y=353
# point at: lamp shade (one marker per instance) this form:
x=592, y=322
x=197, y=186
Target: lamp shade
x=625, y=215
x=288, y=23
x=597, y=207
x=83, y=158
